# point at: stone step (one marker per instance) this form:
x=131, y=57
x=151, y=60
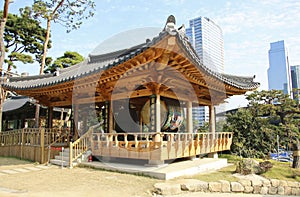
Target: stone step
x=64, y=158
x=59, y=162
x=66, y=153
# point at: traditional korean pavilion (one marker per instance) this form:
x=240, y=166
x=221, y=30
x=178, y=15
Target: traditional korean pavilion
x=144, y=97
x=19, y=112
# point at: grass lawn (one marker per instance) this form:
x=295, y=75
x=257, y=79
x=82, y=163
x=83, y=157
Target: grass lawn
x=222, y=174
x=280, y=170
x=283, y=171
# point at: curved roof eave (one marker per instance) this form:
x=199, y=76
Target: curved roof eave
x=96, y=64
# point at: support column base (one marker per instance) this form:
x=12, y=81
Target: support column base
x=155, y=163
x=193, y=158
x=213, y=155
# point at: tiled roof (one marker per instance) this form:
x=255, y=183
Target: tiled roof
x=97, y=63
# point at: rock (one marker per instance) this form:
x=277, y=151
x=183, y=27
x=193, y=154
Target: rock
x=248, y=189
x=245, y=182
x=264, y=190
x=273, y=190
x=167, y=188
x=292, y=184
x=214, y=186
x=266, y=183
x=256, y=182
x=274, y=182
x=237, y=187
x=225, y=186
x=296, y=191
x=283, y=183
x=265, y=166
x=287, y=190
x=194, y=185
x=256, y=189
x=248, y=166
x=280, y=190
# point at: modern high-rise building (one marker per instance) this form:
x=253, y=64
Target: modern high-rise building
x=279, y=72
x=295, y=78
x=207, y=39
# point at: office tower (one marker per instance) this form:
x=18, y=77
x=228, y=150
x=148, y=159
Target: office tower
x=295, y=78
x=207, y=39
x=279, y=72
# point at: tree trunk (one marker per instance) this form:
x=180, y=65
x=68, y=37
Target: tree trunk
x=2, y=55
x=37, y=109
x=296, y=154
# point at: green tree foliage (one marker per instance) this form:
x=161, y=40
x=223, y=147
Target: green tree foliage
x=68, y=59
x=69, y=13
x=269, y=113
x=23, y=38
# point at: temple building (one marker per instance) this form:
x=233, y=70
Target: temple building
x=143, y=97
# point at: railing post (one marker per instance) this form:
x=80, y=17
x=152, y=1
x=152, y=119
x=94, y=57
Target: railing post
x=42, y=145
x=22, y=143
x=71, y=155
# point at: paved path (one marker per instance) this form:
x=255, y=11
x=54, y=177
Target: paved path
x=24, y=169
x=197, y=194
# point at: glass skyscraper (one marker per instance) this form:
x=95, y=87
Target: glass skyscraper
x=207, y=39
x=279, y=72
x=295, y=77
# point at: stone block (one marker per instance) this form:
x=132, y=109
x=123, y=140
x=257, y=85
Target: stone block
x=292, y=184
x=264, y=190
x=296, y=191
x=256, y=182
x=274, y=182
x=273, y=190
x=280, y=190
x=256, y=189
x=194, y=185
x=287, y=190
x=266, y=183
x=248, y=189
x=237, y=187
x=283, y=183
x=225, y=186
x=245, y=182
x=214, y=186
x=167, y=188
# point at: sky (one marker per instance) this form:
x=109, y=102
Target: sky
x=248, y=28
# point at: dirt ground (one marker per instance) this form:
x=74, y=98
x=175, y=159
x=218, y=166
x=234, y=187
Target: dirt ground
x=55, y=181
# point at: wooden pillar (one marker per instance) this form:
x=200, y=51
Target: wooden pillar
x=157, y=114
x=152, y=113
x=75, y=112
x=50, y=117
x=212, y=119
x=110, y=118
x=141, y=121
x=189, y=116
x=212, y=130
x=106, y=117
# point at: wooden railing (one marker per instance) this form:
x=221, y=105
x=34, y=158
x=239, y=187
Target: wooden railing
x=81, y=145
x=159, y=146
x=30, y=143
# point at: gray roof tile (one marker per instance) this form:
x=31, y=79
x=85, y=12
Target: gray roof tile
x=97, y=63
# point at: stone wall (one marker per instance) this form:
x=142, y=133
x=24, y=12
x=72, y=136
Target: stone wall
x=271, y=187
